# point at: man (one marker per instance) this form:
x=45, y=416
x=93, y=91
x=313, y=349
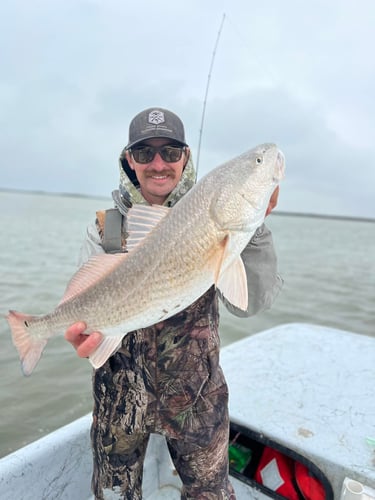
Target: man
x=166, y=378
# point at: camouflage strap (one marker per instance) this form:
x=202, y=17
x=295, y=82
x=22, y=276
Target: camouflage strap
x=112, y=231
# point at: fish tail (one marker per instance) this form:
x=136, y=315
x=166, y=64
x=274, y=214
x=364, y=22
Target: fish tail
x=29, y=348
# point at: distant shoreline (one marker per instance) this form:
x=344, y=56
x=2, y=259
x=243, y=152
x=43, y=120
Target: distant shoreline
x=50, y=193
x=275, y=212
x=324, y=216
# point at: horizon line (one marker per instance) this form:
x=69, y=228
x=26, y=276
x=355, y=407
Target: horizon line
x=275, y=212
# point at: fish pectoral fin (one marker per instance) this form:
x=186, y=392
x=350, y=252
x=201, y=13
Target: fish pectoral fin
x=105, y=350
x=232, y=284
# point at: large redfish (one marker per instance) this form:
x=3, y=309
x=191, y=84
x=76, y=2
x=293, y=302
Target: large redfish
x=175, y=255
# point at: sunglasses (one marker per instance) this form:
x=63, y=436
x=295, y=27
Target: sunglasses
x=145, y=154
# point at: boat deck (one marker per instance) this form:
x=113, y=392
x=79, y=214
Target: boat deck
x=307, y=388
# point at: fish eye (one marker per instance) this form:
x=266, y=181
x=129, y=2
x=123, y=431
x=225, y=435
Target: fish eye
x=259, y=160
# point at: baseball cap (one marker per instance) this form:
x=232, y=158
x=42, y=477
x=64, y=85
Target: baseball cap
x=156, y=122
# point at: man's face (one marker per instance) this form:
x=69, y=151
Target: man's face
x=158, y=177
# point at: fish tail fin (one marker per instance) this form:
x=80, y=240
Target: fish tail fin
x=29, y=348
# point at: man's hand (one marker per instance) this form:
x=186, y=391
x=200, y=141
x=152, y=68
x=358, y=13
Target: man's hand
x=84, y=344
x=273, y=201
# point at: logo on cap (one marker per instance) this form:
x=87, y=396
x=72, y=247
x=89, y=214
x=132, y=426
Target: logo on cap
x=156, y=117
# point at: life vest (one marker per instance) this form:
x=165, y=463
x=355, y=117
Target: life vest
x=109, y=224
x=309, y=486
x=288, y=477
x=276, y=472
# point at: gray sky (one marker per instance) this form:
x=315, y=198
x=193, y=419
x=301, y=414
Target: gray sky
x=302, y=74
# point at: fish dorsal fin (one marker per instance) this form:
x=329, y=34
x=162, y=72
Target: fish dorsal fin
x=95, y=269
x=141, y=220
x=233, y=284
x=105, y=349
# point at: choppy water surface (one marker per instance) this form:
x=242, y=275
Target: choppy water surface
x=328, y=266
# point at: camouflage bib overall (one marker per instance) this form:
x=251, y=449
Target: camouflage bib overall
x=165, y=379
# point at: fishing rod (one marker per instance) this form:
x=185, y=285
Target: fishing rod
x=206, y=93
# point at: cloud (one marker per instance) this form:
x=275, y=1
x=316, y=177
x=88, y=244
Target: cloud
x=74, y=73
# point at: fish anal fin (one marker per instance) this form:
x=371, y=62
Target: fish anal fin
x=232, y=284
x=95, y=269
x=105, y=350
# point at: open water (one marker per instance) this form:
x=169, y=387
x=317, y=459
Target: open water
x=328, y=266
